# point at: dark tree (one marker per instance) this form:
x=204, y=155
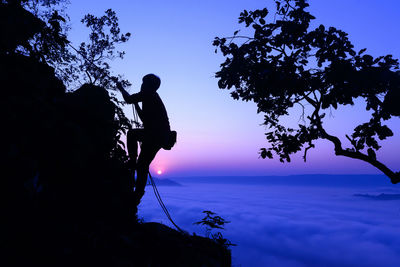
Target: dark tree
x=40, y=31
x=47, y=40
x=284, y=63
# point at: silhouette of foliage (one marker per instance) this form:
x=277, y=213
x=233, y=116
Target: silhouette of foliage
x=40, y=29
x=93, y=61
x=219, y=239
x=212, y=221
x=285, y=63
x=49, y=43
x=104, y=36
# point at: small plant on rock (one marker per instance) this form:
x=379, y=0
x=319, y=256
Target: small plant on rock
x=212, y=221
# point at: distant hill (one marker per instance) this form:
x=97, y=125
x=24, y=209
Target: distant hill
x=164, y=182
x=298, y=180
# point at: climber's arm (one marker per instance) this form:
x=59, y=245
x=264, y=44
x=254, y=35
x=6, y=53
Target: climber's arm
x=130, y=99
x=124, y=93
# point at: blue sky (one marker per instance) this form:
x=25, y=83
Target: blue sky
x=216, y=134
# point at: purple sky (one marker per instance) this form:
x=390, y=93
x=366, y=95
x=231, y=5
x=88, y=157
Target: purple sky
x=217, y=135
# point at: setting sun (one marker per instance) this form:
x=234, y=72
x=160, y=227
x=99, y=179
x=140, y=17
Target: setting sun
x=159, y=172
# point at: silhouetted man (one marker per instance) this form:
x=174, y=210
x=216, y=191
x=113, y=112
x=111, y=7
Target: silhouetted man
x=155, y=133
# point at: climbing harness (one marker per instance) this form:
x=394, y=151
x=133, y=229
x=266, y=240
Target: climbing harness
x=153, y=184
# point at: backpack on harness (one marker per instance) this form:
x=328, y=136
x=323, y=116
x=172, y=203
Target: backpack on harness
x=171, y=140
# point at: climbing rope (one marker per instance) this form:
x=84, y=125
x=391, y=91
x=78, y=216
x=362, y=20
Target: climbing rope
x=153, y=184
x=164, y=208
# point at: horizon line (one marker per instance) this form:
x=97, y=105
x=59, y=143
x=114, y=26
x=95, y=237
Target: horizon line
x=312, y=174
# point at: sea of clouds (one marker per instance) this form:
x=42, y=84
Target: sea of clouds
x=290, y=225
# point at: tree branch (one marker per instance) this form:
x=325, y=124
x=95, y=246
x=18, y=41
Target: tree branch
x=302, y=116
x=310, y=100
x=88, y=75
x=310, y=145
x=353, y=142
x=240, y=36
x=251, y=38
x=339, y=151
